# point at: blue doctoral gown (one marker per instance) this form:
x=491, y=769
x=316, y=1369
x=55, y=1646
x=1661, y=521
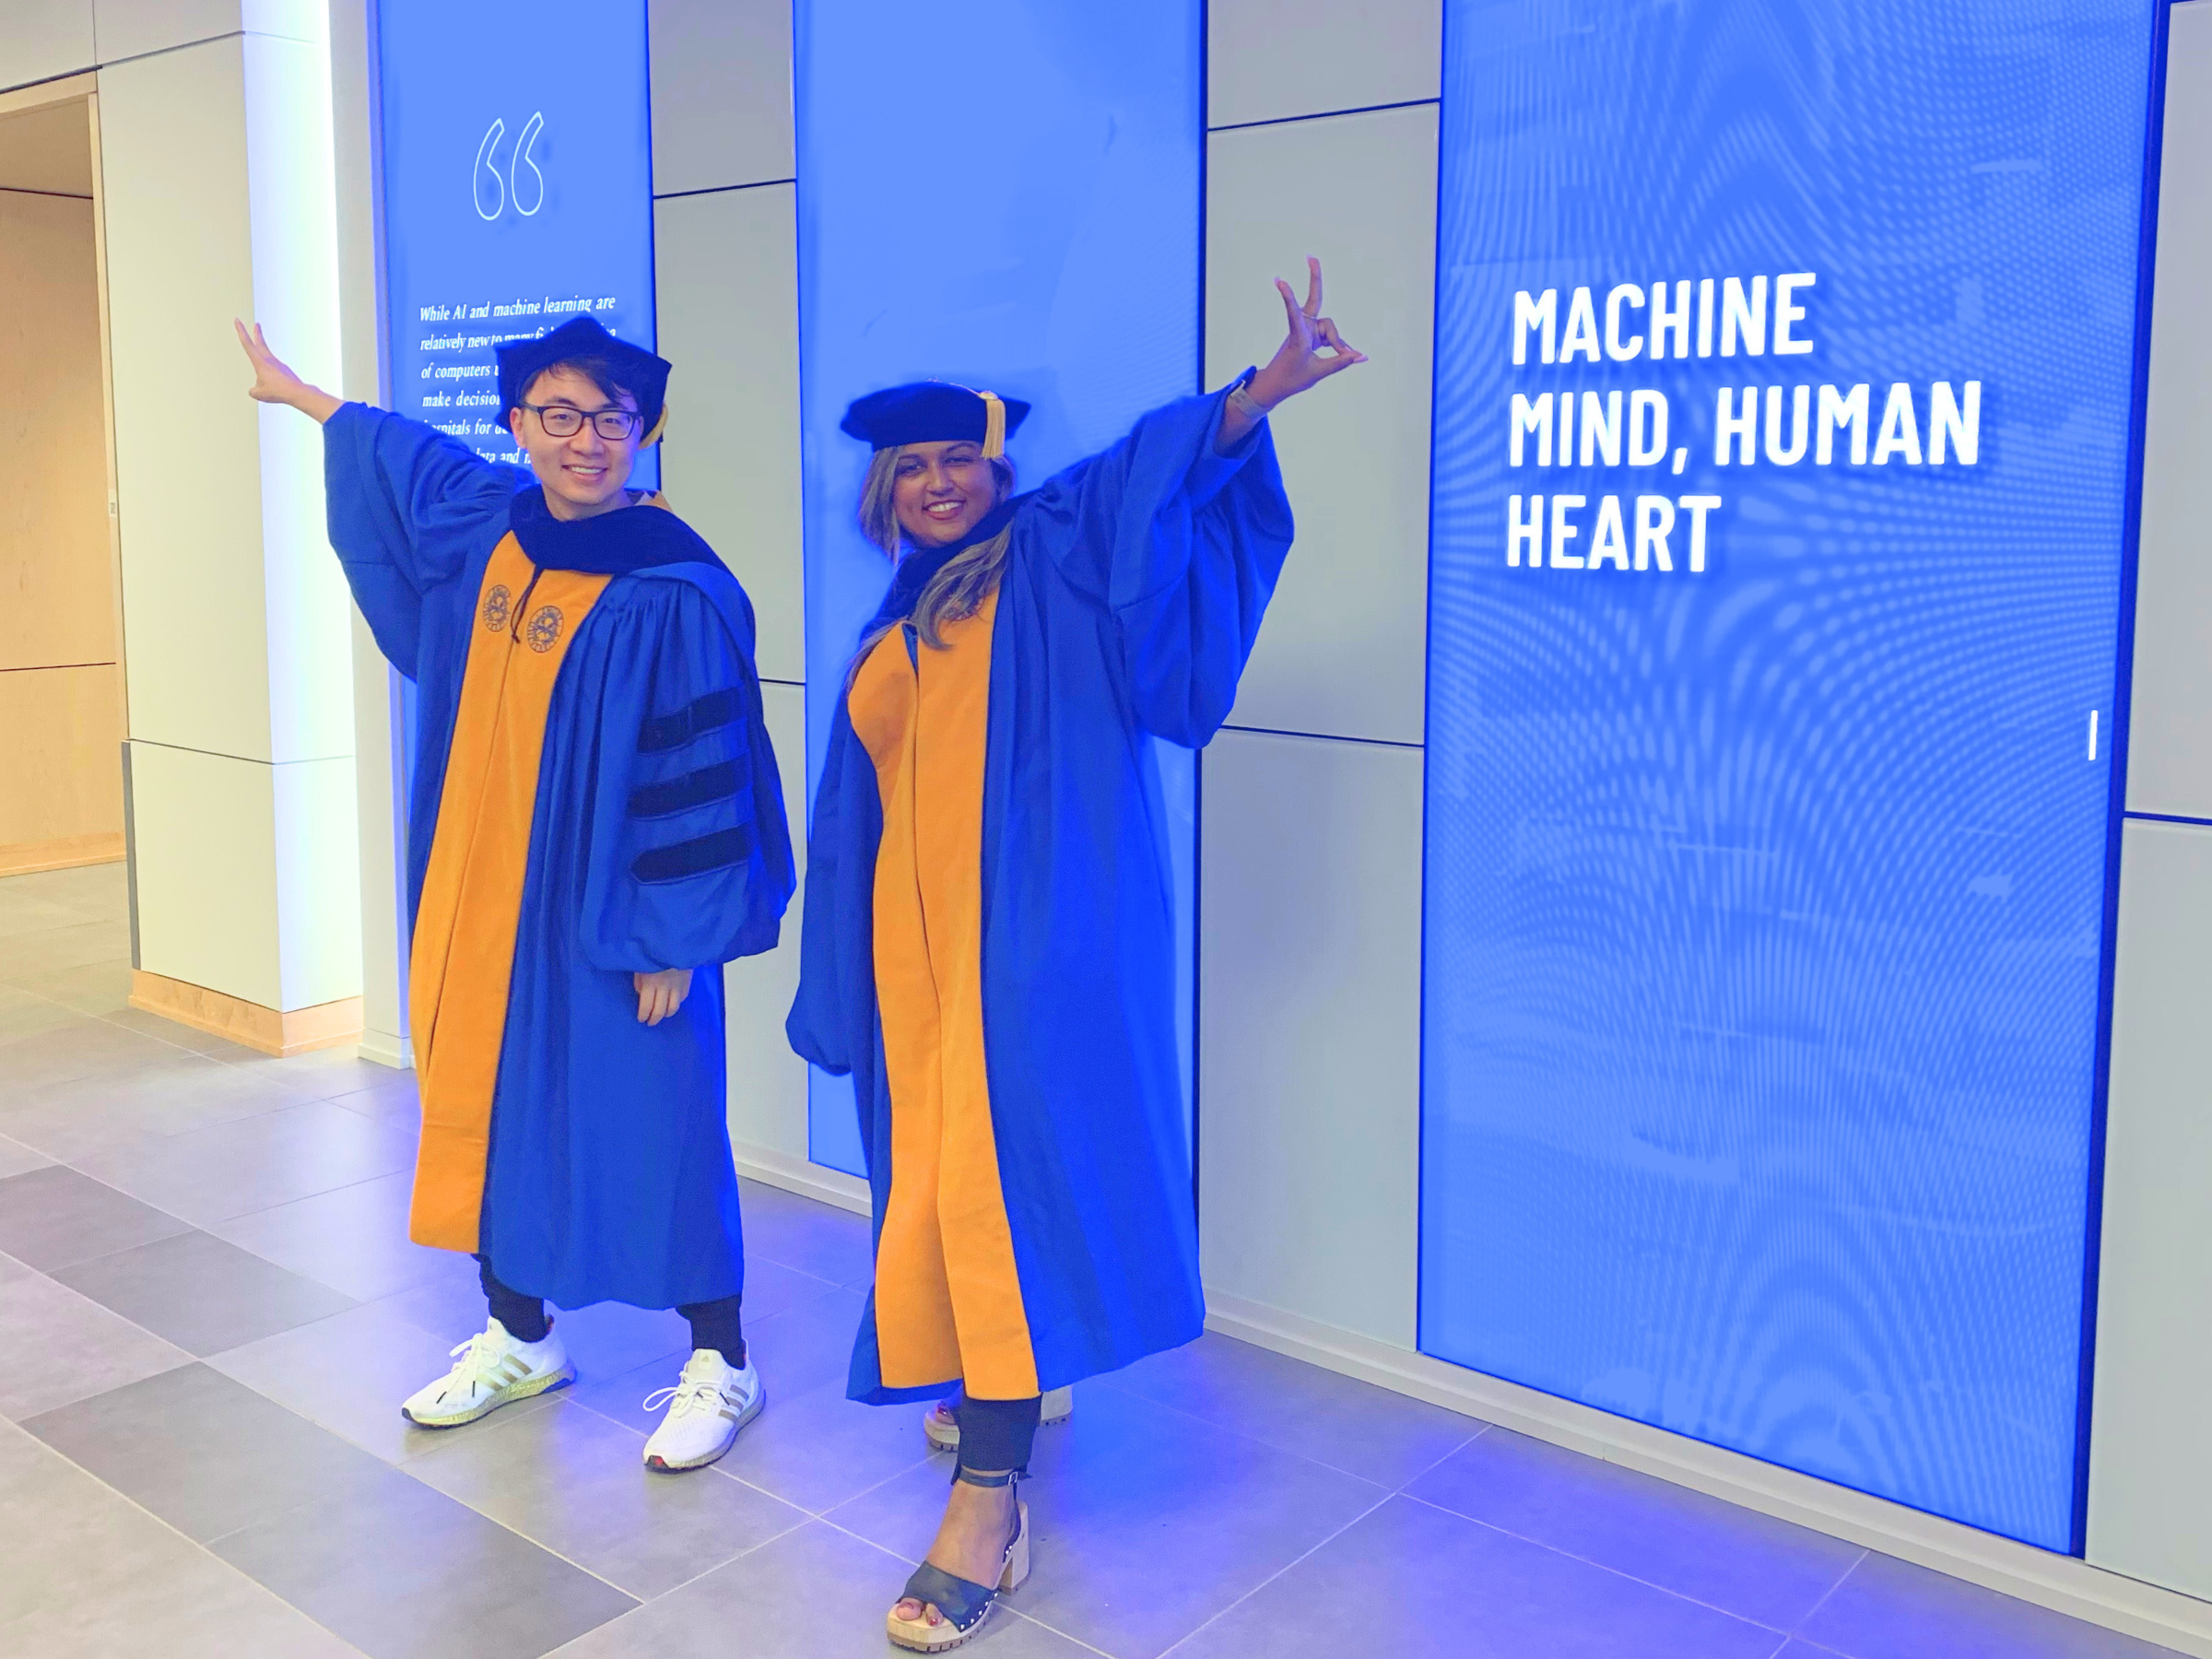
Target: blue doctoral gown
x=1132, y=594
x=656, y=841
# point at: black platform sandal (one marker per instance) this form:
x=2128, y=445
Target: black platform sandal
x=963, y=1604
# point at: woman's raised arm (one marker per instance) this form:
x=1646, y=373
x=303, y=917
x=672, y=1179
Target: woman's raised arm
x=1296, y=367
x=275, y=382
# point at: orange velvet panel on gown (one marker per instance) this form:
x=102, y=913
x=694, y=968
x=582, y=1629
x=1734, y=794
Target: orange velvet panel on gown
x=472, y=893
x=949, y=1302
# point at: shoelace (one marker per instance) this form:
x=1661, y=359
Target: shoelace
x=478, y=1356
x=686, y=1396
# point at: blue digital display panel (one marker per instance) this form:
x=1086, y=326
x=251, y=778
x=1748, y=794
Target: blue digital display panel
x=1035, y=232
x=517, y=154
x=1784, y=366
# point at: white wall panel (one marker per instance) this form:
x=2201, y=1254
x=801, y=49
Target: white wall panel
x=187, y=439
x=204, y=843
x=2150, y=1457
x=318, y=881
x=768, y=1082
x=721, y=93
x=1309, y=979
x=246, y=874
x=42, y=39
x=1273, y=60
x=1343, y=647
x=725, y=269
x=129, y=28
x=2170, y=738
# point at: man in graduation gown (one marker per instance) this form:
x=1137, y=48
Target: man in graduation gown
x=596, y=825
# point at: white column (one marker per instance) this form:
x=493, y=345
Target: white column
x=1310, y=930
x=378, y=715
x=216, y=144
x=2150, y=1451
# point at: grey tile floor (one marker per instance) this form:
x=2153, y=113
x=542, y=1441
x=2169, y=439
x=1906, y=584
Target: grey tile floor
x=209, y=1312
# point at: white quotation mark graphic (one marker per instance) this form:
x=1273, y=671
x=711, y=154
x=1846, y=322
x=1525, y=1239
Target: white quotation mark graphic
x=486, y=174
x=535, y=126
x=491, y=192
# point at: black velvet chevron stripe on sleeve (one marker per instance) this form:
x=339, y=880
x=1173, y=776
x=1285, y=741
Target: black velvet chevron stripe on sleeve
x=673, y=731
x=680, y=795
x=694, y=857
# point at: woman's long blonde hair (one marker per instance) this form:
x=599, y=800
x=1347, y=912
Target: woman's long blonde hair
x=968, y=578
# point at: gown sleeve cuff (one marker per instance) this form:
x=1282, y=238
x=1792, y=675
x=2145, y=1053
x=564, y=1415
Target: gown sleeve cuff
x=350, y=414
x=1211, y=471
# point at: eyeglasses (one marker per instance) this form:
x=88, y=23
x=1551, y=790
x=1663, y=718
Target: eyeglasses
x=561, y=420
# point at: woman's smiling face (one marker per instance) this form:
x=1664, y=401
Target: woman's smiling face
x=941, y=491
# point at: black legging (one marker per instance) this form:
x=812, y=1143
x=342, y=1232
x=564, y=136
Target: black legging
x=714, y=1325
x=997, y=1435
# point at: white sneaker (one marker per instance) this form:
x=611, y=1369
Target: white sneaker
x=711, y=1400
x=492, y=1370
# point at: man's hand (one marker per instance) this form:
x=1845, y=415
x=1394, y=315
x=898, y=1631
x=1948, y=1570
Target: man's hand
x=661, y=995
x=275, y=382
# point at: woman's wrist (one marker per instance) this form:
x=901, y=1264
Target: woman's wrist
x=1266, y=389
x=1241, y=399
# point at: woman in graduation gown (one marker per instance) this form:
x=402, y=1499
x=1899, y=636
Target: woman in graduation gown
x=595, y=827
x=987, y=945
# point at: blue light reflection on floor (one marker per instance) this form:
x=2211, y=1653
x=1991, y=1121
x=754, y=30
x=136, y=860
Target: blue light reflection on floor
x=1763, y=906
x=1012, y=205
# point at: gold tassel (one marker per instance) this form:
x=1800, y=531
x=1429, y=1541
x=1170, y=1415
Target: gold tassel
x=659, y=427
x=995, y=425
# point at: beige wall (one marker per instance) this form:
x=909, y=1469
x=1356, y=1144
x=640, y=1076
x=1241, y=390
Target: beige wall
x=61, y=704
x=57, y=596
x=61, y=773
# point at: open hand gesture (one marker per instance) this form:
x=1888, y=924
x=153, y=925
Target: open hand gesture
x=274, y=380
x=1300, y=362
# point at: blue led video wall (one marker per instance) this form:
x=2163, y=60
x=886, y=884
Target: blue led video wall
x=1783, y=389
x=1035, y=235
x=518, y=194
